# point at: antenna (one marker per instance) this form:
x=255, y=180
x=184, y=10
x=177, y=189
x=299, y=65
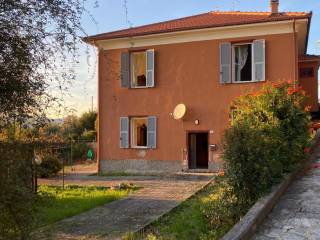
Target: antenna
x=234, y=4
x=125, y=7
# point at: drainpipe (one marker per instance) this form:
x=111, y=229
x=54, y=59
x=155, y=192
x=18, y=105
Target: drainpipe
x=98, y=139
x=295, y=53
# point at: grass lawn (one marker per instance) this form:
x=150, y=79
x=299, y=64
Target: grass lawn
x=56, y=204
x=189, y=220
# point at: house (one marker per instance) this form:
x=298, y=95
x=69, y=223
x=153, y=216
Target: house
x=200, y=64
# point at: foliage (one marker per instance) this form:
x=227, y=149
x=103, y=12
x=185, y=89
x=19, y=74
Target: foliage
x=39, y=40
x=79, y=151
x=87, y=121
x=17, y=201
x=72, y=127
x=268, y=133
x=90, y=135
x=50, y=165
x=56, y=204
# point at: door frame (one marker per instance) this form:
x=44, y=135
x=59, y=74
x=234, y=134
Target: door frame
x=188, y=147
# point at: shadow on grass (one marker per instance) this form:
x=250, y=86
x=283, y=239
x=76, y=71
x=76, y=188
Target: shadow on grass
x=55, y=204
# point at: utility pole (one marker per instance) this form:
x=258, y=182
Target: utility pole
x=91, y=103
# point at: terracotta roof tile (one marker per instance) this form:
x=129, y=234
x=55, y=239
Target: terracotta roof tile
x=205, y=20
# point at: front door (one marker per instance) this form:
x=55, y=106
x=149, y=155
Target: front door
x=198, y=150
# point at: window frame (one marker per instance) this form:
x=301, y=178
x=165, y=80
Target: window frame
x=131, y=132
x=233, y=69
x=130, y=68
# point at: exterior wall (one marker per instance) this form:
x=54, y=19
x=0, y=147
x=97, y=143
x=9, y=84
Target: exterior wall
x=184, y=73
x=310, y=85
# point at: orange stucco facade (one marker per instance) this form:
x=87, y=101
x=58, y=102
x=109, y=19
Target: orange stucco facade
x=309, y=82
x=184, y=73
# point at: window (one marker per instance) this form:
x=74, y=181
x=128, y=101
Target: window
x=143, y=132
x=306, y=72
x=139, y=131
x=138, y=69
x=242, y=62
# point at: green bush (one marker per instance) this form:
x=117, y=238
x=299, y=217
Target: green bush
x=268, y=133
x=79, y=151
x=50, y=165
x=17, y=200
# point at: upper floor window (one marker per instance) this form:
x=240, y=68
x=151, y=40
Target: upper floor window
x=242, y=62
x=137, y=69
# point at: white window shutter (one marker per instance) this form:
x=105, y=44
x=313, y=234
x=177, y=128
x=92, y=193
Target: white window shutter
x=124, y=132
x=152, y=132
x=125, y=70
x=225, y=63
x=150, y=67
x=259, y=60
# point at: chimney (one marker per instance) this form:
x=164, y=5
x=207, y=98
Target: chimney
x=274, y=6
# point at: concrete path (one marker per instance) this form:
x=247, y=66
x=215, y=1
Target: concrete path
x=297, y=214
x=112, y=221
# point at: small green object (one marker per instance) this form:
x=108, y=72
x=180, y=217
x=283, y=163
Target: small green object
x=90, y=154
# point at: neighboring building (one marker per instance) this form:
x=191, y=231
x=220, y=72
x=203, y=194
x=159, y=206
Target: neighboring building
x=203, y=61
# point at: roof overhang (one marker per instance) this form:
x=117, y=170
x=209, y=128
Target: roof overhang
x=228, y=32
x=309, y=58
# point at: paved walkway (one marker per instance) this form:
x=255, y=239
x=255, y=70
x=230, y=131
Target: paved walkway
x=112, y=221
x=297, y=214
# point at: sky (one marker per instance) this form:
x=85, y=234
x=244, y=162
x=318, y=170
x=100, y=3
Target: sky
x=110, y=15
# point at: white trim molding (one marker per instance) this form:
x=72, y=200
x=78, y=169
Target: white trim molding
x=238, y=31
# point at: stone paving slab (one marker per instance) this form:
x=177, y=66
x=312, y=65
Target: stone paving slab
x=297, y=215
x=158, y=196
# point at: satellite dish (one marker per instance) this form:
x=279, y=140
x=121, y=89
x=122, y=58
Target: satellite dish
x=179, y=111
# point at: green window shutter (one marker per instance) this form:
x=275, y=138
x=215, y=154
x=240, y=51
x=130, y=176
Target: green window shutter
x=125, y=70
x=152, y=132
x=150, y=67
x=225, y=63
x=124, y=132
x=258, y=66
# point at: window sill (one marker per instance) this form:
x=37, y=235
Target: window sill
x=248, y=81
x=141, y=148
x=139, y=87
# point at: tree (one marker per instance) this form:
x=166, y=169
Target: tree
x=38, y=41
x=87, y=121
x=38, y=46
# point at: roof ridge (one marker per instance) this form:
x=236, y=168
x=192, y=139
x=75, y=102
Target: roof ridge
x=257, y=12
